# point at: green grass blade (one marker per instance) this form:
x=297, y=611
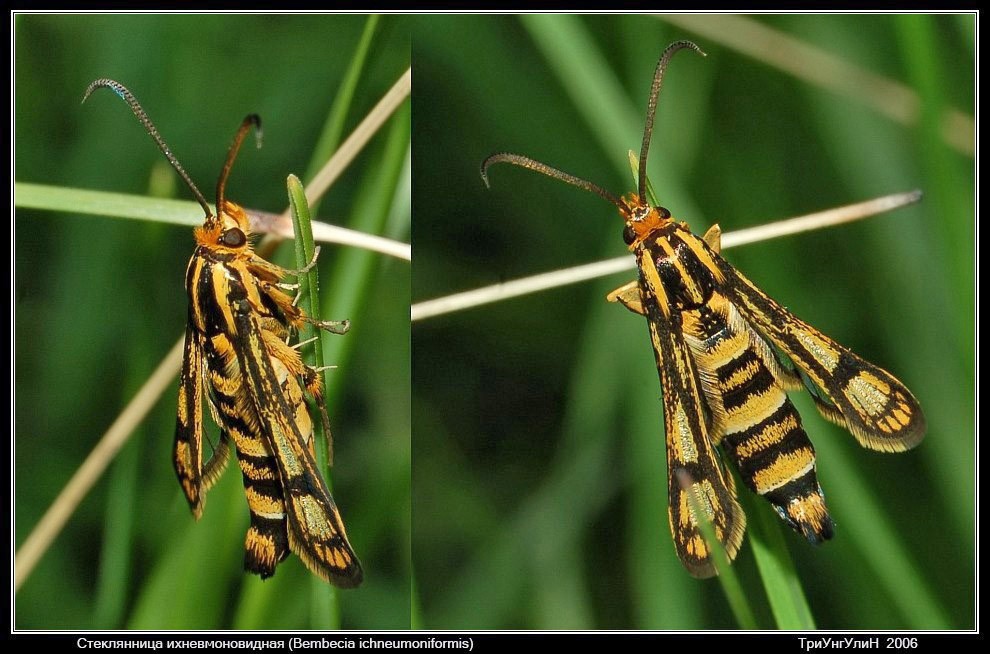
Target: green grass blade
x=370, y=212
x=333, y=128
x=186, y=591
x=116, y=551
x=583, y=71
x=780, y=579
x=651, y=195
x=255, y=600
x=864, y=521
x=415, y=613
x=305, y=249
x=325, y=608
x=726, y=573
x=102, y=203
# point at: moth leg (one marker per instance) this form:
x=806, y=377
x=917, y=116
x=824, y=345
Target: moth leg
x=713, y=237
x=296, y=316
x=301, y=343
x=309, y=266
x=314, y=385
x=279, y=271
x=332, y=326
x=628, y=295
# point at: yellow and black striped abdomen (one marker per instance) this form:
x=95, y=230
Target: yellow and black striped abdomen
x=752, y=418
x=267, y=540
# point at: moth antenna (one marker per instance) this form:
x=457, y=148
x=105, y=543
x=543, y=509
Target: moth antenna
x=549, y=171
x=251, y=120
x=651, y=109
x=149, y=126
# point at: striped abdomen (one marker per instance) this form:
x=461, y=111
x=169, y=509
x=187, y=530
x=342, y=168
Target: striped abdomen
x=752, y=417
x=267, y=541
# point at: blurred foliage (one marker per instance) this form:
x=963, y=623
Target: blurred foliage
x=538, y=467
x=99, y=301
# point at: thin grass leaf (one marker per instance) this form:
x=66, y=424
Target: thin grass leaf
x=726, y=573
x=325, y=609
x=415, y=613
x=333, y=128
x=651, y=195
x=195, y=590
x=116, y=554
x=180, y=212
x=305, y=250
x=371, y=208
x=780, y=578
x=862, y=520
x=102, y=203
x=255, y=599
x=580, y=67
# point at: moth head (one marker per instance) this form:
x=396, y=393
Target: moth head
x=228, y=229
x=230, y=232
x=641, y=219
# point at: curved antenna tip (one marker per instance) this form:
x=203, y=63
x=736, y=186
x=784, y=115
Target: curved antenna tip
x=259, y=133
x=124, y=94
x=113, y=85
x=542, y=168
x=651, y=107
x=251, y=120
x=484, y=170
x=684, y=43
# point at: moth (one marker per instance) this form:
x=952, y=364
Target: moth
x=726, y=355
x=237, y=357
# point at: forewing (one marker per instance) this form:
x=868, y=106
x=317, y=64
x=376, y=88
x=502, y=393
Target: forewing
x=187, y=450
x=316, y=531
x=690, y=450
x=849, y=391
x=693, y=466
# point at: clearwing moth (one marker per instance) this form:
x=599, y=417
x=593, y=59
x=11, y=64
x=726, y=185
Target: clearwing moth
x=726, y=355
x=237, y=356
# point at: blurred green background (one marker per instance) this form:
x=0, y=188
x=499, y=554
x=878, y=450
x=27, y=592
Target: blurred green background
x=99, y=301
x=538, y=467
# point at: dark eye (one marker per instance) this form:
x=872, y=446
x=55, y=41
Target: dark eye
x=629, y=235
x=233, y=238
x=664, y=213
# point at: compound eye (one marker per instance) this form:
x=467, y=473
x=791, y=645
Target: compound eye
x=233, y=238
x=629, y=235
